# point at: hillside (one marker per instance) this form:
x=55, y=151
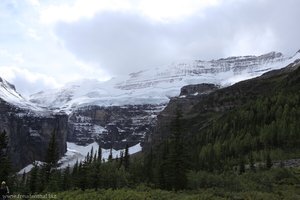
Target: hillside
x=248, y=122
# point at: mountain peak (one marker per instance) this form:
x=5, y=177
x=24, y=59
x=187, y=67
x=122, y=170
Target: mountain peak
x=272, y=54
x=6, y=84
x=9, y=94
x=156, y=85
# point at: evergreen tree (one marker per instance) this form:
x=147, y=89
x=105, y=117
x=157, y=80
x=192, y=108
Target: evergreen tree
x=121, y=159
x=76, y=174
x=110, y=157
x=83, y=179
x=126, y=158
x=33, y=179
x=55, y=181
x=251, y=163
x=99, y=154
x=87, y=158
x=91, y=155
x=75, y=169
x=23, y=189
x=66, y=179
x=5, y=164
x=241, y=166
x=41, y=179
x=148, y=165
x=95, y=157
x=95, y=170
x=177, y=162
x=268, y=161
x=52, y=153
x=23, y=180
x=162, y=166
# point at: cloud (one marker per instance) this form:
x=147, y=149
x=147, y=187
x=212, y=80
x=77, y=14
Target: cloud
x=63, y=40
x=34, y=2
x=27, y=81
x=124, y=42
x=71, y=11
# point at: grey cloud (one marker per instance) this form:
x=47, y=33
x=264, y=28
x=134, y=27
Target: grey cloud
x=26, y=87
x=122, y=42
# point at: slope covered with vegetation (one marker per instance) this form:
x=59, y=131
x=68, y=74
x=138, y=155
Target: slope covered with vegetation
x=246, y=126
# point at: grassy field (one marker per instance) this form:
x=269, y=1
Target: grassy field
x=282, y=192
x=270, y=185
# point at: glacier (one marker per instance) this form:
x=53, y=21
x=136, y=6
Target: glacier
x=157, y=85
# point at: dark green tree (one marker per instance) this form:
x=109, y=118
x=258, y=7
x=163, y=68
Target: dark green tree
x=83, y=178
x=161, y=165
x=269, y=163
x=110, y=157
x=33, y=179
x=241, y=166
x=5, y=164
x=52, y=152
x=55, y=181
x=91, y=155
x=66, y=179
x=148, y=166
x=99, y=155
x=121, y=159
x=41, y=179
x=177, y=161
x=251, y=163
x=75, y=175
x=51, y=156
x=126, y=158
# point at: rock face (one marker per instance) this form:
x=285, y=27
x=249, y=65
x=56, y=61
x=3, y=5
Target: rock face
x=29, y=131
x=113, y=126
x=198, y=110
x=198, y=89
x=190, y=96
x=123, y=110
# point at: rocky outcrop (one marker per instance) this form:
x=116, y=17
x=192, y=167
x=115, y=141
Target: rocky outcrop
x=113, y=126
x=197, y=89
x=29, y=133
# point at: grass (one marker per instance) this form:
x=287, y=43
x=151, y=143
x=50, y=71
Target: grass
x=282, y=192
x=271, y=184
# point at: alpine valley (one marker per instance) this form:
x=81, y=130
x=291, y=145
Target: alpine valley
x=122, y=111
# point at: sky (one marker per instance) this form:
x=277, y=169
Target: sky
x=45, y=44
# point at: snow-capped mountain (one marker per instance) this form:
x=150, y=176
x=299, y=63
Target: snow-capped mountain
x=9, y=95
x=117, y=112
x=157, y=85
x=123, y=110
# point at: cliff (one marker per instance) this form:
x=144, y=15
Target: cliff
x=29, y=130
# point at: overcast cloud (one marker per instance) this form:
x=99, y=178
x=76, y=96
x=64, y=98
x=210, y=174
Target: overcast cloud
x=44, y=45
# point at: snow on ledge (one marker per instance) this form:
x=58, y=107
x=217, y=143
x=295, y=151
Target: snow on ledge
x=29, y=167
x=78, y=153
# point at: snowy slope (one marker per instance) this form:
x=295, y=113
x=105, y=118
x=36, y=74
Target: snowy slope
x=78, y=153
x=157, y=85
x=9, y=94
x=29, y=167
